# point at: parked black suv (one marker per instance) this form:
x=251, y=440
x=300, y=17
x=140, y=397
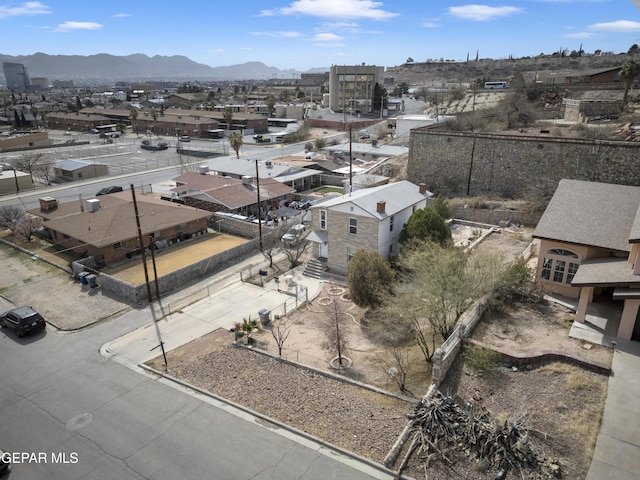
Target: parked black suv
x=23, y=320
x=108, y=190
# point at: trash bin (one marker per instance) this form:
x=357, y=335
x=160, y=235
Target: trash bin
x=82, y=276
x=264, y=316
x=92, y=280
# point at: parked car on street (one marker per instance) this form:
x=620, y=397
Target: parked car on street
x=23, y=320
x=108, y=190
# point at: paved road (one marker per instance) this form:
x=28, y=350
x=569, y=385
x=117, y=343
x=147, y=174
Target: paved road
x=59, y=396
x=62, y=401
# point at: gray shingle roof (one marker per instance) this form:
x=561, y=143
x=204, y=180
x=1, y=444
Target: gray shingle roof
x=594, y=214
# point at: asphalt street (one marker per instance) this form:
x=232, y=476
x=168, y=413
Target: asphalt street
x=74, y=413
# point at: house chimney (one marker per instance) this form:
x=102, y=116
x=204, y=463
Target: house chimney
x=48, y=203
x=422, y=188
x=380, y=207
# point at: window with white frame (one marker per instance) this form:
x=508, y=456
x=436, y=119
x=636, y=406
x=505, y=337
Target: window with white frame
x=323, y=219
x=353, y=226
x=350, y=253
x=559, y=265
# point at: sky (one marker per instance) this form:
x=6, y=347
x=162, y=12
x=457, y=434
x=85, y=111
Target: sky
x=306, y=34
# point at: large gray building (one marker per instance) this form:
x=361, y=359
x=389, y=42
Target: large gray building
x=351, y=88
x=16, y=76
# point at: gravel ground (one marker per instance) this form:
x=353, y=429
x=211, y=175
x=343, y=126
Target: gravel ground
x=345, y=415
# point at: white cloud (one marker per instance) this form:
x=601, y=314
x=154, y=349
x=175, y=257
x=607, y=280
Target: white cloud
x=340, y=9
x=430, y=24
x=71, y=26
x=327, y=37
x=579, y=35
x=120, y=15
x=329, y=45
x=617, y=26
x=277, y=34
x=482, y=12
x=28, y=8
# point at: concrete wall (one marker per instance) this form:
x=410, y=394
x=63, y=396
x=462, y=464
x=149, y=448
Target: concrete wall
x=137, y=294
x=481, y=163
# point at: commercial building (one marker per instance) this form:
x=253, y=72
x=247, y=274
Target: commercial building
x=352, y=87
x=16, y=76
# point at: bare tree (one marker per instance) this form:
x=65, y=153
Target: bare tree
x=272, y=243
x=44, y=170
x=280, y=334
x=27, y=227
x=396, y=363
x=10, y=217
x=29, y=162
x=294, y=249
x=335, y=339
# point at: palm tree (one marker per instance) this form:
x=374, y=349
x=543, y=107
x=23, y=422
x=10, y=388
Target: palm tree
x=227, y=114
x=133, y=114
x=630, y=70
x=235, y=140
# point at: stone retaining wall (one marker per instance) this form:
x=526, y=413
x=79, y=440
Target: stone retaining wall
x=467, y=163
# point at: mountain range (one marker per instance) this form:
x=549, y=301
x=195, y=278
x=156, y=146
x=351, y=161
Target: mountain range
x=139, y=67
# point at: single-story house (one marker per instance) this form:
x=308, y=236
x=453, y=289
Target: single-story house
x=215, y=193
x=105, y=227
x=70, y=170
x=590, y=247
x=14, y=181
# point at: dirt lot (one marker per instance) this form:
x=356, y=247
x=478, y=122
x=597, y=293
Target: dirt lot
x=561, y=403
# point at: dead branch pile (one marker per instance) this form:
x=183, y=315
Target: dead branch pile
x=445, y=427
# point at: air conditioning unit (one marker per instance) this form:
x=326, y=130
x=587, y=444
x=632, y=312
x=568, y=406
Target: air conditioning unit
x=203, y=169
x=93, y=205
x=268, y=164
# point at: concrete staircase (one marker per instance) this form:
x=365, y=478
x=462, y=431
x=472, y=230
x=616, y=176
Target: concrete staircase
x=313, y=268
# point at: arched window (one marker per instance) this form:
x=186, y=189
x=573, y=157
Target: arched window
x=559, y=265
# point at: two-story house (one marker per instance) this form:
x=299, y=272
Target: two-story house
x=590, y=248
x=369, y=219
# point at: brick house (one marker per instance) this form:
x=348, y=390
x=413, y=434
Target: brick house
x=216, y=193
x=106, y=229
x=590, y=248
x=370, y=219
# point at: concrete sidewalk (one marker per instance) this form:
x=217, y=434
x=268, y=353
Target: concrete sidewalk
x=617, y=452
x=222, y=308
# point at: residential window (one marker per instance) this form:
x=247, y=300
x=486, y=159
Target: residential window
x=122, y=244
x=558, y=272
x=353, y=226
x=557, y=266
x=571, y=272
x=391, y=223
x=323, y=219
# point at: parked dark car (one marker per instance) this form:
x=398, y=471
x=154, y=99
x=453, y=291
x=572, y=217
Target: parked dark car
x=23, y=320
x=108, y=190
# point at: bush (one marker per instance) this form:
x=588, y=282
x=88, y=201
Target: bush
x=481, y=360
x=517, y=283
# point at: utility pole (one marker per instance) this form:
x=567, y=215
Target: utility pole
x=141, y=244
x=259, y=209
x=350, y=159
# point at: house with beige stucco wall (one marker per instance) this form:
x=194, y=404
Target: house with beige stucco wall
x=369, y=219
x=590, y=248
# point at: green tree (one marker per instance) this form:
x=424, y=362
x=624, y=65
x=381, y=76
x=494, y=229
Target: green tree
x=133, y=115
x=370, y=279
x=630, y=70
x=236, y=141
x=441, y=283
x=271, y=102
x=227, y=114
x=426, y=224
x=441, y=205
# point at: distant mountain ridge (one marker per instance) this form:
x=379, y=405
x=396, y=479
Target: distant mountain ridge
x=141, y=67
